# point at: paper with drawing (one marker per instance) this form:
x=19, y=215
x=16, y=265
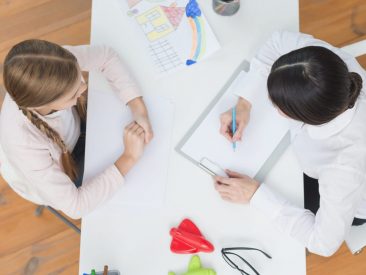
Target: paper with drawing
x=177, y=33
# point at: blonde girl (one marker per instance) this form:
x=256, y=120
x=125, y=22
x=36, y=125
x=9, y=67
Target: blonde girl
x=43, y=119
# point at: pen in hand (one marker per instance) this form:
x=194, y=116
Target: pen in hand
x=233, y=128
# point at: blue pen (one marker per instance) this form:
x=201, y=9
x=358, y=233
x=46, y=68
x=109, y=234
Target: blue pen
x=233, y=128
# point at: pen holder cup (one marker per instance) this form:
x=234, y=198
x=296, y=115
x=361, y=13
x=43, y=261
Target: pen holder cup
x=226, y=7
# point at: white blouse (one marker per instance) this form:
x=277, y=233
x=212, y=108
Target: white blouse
x=334, y=153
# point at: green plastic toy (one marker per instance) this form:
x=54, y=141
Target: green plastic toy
x=195, y=268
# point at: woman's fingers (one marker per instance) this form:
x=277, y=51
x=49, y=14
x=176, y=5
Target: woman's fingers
x=237, y=188
x=233, y=174
x=224, y=191
x=239, y=132
x=225, y=130
x=226, y=198
x=221, y=187
x=222, y=180
x=225, y=124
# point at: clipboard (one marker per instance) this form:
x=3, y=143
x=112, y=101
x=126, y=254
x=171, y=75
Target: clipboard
x=267, y=165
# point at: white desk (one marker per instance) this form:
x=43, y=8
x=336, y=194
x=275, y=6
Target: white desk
x=139, y=243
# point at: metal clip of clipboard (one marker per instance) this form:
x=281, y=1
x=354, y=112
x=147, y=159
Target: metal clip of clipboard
x=212, y=173
x=211, y=168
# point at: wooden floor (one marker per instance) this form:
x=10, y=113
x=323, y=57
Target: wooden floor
x=44, y=245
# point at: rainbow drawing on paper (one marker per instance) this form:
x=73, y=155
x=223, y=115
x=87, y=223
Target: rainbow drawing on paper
x=193, y=13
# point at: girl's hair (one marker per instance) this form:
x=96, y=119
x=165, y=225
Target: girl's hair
x=38, y=72
x=313, y=85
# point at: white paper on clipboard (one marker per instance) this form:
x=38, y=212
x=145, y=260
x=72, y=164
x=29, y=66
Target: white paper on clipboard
x=265, y=137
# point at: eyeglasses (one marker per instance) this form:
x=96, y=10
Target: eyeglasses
x=230, y=257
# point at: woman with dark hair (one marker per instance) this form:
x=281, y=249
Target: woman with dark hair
x=319, y=89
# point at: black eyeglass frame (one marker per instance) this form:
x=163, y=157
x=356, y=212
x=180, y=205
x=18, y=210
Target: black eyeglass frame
x=227, y=251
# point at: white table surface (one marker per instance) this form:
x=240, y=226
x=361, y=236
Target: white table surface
x=136, y=241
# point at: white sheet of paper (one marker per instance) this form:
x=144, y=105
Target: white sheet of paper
x=264, y=132
x=145, y=183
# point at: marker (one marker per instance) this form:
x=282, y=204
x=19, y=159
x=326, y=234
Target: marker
x=93, y=272
x=234, y=126
x=105, y=272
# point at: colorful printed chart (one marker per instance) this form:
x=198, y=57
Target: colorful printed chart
x=177, y=33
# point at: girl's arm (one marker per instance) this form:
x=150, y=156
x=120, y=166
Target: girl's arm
x=47, y=183
x=53, y=187
x=105, y=60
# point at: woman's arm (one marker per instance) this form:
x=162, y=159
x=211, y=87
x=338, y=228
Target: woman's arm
x=340, y=188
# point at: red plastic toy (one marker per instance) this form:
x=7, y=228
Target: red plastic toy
x=188, y=239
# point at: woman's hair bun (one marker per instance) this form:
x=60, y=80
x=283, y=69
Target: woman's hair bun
x=355, y=89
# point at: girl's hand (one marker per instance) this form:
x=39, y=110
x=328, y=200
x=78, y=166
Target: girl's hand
x=140, y=115
x=144, y=122
x=237, y=188
x=133, y=140
x=242, y=118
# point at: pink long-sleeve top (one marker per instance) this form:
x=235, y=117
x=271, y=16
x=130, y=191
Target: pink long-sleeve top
x=30, y=162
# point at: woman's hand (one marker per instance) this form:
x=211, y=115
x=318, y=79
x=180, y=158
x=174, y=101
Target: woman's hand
x=242, y=118
x=237, y=188
x=140, y=115
x=134, y=143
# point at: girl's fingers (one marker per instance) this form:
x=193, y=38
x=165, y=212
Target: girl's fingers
x=149, y=132
x=135, y=127
x=146, y=126
x=149, y=137
x=139, y=130
x=130, y=125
